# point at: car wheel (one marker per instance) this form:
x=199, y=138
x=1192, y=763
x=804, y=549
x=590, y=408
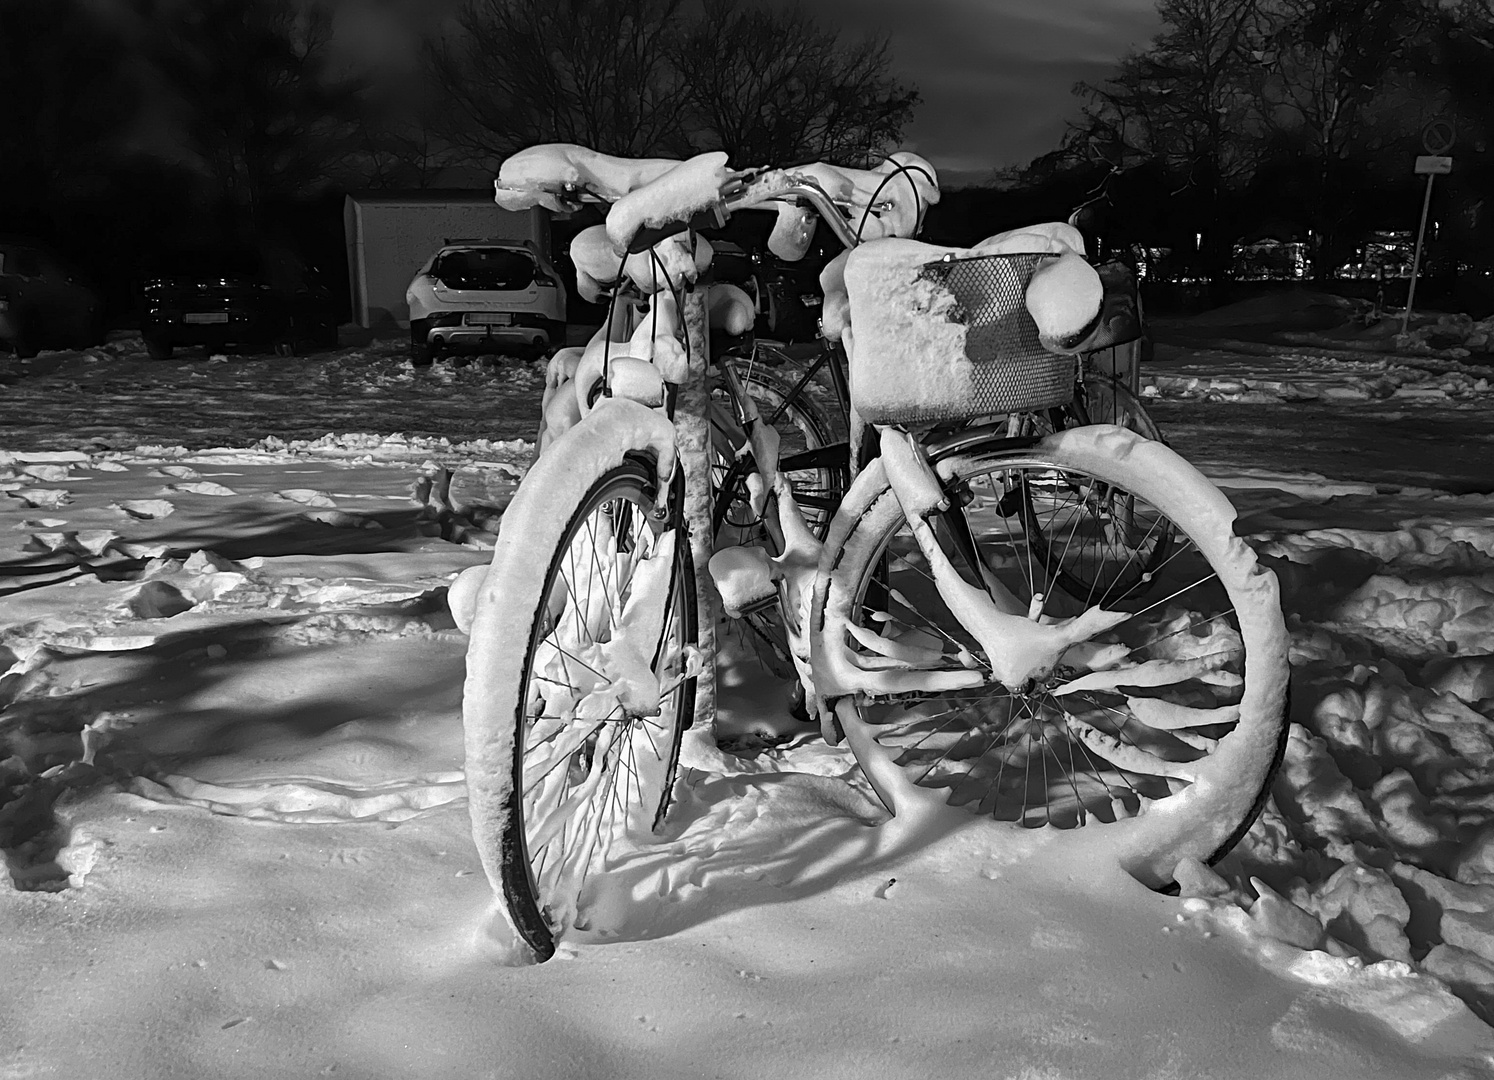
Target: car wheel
x=421, y=353
x=285, y=347
x=158, y=348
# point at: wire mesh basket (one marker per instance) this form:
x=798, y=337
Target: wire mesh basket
x=947, y=340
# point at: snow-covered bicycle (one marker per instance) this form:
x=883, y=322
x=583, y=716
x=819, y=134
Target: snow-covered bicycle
x=1054, y=629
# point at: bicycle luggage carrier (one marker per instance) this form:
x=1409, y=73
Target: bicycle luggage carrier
x=934, y=342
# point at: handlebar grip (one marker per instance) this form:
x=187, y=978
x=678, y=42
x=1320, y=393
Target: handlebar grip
x=712, y=217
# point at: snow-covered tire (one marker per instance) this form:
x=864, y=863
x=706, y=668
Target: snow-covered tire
x=1035, y=755
x=587, y=611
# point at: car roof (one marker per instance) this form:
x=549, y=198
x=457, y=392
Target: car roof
x=506, y=245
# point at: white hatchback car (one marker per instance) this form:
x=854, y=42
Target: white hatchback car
x=485, y=296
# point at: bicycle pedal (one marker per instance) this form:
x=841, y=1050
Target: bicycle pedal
x=744, y=580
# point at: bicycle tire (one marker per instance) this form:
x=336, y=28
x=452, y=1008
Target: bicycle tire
x=549, y=799
x=1223, y=619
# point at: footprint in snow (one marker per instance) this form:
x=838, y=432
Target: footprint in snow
x=86, y=542
x=341, y=519
x=201, y=487
x=146, y=508
x=307, y=497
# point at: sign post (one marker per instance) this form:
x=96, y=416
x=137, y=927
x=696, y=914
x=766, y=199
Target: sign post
x=1437, y=139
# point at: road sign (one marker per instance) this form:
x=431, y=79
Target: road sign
x=1433, y=165
x=1437, y=137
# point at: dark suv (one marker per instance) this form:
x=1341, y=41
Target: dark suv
x=44, y=302
x=249, y=298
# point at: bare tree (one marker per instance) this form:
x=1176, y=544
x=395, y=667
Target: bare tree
x=1185, y=102
x=1326, y=77
x=771, y=85
x=642, y=77
x=595, y=72
x=396, y=146
x=263, y=109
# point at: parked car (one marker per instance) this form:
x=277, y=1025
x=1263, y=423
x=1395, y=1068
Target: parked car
x=44, y=302
x=236, y=297
x=485, y=296
x=791, y=298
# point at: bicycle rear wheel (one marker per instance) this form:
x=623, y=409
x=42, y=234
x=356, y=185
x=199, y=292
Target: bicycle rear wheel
x=817, y=472
x=578, y=676
x=818, y=479
x=1104, y=399
x=1182, y=702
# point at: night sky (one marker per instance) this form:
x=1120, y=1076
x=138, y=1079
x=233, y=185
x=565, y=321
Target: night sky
x=995, y=75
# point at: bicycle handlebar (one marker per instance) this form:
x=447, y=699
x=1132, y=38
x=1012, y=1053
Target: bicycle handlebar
x=757, y=188
x=750, y=188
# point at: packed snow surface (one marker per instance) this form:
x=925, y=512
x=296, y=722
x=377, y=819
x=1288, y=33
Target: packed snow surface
x=234, y=814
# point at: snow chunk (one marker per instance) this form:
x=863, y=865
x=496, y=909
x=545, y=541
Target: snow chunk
x=47, y=473
x=43, y=498
x=1063, y=298
x=306, y=497
x=743, y=577
x=145, y=508
x=201, y=487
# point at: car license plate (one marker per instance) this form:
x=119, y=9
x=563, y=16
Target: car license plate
x=489, y=318
x=205, y=317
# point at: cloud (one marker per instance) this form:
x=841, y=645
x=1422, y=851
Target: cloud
x=996, y=76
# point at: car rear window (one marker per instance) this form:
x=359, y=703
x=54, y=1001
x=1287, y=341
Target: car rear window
x=486, y=268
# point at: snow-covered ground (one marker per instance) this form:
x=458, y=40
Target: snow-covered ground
x=232, y=763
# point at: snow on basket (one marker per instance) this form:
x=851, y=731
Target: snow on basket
x=937, y=337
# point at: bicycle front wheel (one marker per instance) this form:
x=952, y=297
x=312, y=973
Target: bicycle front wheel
x=1181, y=703
x=580, y=655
